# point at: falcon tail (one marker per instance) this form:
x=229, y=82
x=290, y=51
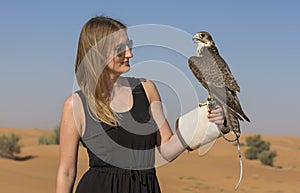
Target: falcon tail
x=230, y=100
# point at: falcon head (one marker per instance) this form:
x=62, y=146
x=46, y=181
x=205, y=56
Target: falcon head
x=203, y=38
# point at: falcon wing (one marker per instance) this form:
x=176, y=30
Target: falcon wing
x=213, y=73
x=212, y=55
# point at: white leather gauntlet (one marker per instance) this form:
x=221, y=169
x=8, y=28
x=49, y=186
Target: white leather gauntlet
x=195, y=131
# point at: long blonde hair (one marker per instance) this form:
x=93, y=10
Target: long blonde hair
x=94, y=47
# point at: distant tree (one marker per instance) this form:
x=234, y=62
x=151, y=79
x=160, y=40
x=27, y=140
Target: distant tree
x=50, y=139
x=251, y=153
x=256, y=142
x=259, y=149
x=267, y=157
x=252, y=141
x=56, y=135
x=9, y=145
x=43, y=140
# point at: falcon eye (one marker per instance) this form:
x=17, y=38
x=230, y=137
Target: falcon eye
x=202, y=35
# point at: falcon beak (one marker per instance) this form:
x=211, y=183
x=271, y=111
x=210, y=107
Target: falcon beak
x=196, y=38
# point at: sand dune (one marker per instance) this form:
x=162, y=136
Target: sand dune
x=217, y=171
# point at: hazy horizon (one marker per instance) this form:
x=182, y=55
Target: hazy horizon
x=258, y=39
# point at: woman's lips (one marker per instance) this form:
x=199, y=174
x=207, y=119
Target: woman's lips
x=126, y=63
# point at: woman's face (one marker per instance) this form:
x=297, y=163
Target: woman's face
x=122, y=52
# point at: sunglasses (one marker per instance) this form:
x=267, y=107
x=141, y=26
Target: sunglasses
x=121, y=48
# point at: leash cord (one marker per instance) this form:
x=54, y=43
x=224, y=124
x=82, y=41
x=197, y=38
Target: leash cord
x=239, y=154
x=241, y=165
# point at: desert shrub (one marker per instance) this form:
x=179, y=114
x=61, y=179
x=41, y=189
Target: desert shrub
x=42, y=140
x=55, y=136
x=263, y=146
x=259, y=149
x=9, y=145
x=251, y=153
x=50, y=139
x=45, y=140
x=267, y=157
x=257, y=142
x=252, y=141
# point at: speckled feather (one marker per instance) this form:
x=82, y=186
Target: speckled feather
x=213, y=73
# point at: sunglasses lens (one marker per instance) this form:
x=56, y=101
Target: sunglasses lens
x=130, y=44
x=121, y=48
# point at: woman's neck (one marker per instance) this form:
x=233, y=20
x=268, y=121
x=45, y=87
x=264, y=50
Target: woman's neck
x=111, y=83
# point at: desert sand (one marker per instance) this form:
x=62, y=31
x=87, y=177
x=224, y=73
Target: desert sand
x=217, y=171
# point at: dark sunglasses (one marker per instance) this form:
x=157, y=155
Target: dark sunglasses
x=121, y=48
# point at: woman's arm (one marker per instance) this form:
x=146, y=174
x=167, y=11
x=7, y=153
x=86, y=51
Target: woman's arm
x=69, y=140
x=165, y=132
x=169, y=144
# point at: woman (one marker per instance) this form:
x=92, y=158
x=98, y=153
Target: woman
x=119, y=120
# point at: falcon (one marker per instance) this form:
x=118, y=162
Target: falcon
x=214, y=74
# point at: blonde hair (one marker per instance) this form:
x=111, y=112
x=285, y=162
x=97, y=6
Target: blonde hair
x=94, y=51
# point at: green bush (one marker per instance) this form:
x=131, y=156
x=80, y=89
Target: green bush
x=251, y=153
x=46, y=140
x=9, y=145
x=257, y=142
x=50, y=139
x=42, y=140
x=55, y=136
x=252, y=141
x=259, y=149
x=267, y=157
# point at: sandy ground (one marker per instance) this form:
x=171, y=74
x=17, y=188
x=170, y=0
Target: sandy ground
x=217, y=171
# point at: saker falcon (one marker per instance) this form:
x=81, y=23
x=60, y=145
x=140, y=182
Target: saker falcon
x=213, y=73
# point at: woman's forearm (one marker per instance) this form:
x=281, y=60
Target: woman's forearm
x=65, y=181
x=171, y=149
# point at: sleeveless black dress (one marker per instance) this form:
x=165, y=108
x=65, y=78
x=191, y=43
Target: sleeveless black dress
x=121, y=159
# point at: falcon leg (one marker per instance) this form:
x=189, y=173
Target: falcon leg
x=210, y=103
x=203, y=104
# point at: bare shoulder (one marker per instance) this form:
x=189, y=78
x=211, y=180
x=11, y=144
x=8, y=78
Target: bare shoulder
x=151, y=90
x=73, y=111
x=72, y=100
x=68, y=103
x=149, y=84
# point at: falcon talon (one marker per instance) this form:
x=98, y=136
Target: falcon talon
x=211, y=104
x=203, y=104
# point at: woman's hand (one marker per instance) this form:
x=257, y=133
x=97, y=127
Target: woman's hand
x=217, y=115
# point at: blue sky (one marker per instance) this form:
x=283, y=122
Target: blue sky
x=259, y=39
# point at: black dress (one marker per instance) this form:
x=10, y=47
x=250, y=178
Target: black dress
x=121, y=159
